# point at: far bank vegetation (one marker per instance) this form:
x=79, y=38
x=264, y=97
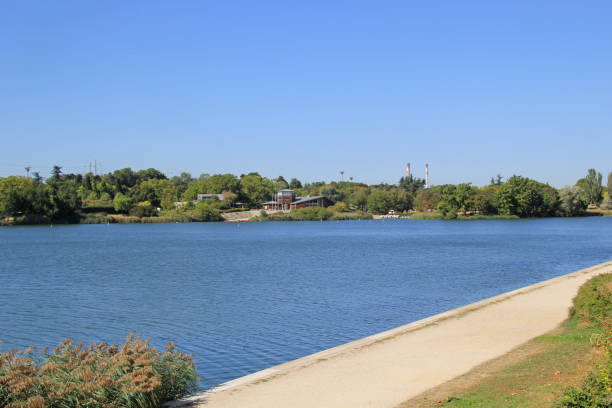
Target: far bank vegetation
x=127, y=196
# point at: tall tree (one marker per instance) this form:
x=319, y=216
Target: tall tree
x=593, y=187
x=411, y=184
x=571, y=203
x=56, y=173
x=497, y=180
x=294, y=184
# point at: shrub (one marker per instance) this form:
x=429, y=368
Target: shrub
x=311, y=214
x=143, y=211
x=97, y=376
x=606, y=204
x=339, y=207
x=122, y=203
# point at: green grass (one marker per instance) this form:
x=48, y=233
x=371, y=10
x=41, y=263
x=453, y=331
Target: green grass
x=568, y=355
x=426, y=216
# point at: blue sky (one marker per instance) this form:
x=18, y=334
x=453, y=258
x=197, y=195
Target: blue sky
x=306, y=89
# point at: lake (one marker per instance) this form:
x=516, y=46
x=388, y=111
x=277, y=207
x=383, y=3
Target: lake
x=243, y=297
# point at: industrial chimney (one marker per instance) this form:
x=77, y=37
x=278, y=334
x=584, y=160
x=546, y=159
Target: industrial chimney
x=426, y=175
x=408, y=170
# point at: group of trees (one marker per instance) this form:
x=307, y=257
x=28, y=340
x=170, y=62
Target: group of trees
x=62, y=197
x=523, y=197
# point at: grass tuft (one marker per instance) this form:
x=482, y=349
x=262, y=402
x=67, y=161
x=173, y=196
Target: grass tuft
x=98, y=375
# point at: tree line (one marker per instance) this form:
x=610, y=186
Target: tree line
x=66, y=197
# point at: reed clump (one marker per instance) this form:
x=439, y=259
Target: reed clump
x=97, y=375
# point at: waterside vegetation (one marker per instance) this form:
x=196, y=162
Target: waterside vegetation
x=95, y=376
x=127, y=196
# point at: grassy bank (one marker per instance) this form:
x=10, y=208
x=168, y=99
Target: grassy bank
x=128, y=219
x=569, y=367
x=438, y=216
x=312, y=214
x=95, y=376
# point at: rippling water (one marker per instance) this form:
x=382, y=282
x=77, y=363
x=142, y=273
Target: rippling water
x=245, y=297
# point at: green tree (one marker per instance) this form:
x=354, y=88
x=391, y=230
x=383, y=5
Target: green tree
x=122, y=203
x=280, y=183
x=25, y=198
x=229, y=198
x=56, y=173
x=207, y=211
x=218, y=183
x=448, y=204
x=400, y=199
x=255, y=189
x=294, y=184
x=124, y=179
x=484, y=199
x=359, y=198
x=465, y=195
x=427, y=199
x=526, y=198
x=610, y=184
x=339, y=207
x=571, y=203
x=592, y=187
x=65, y=199
x=154, y=191
x=379, y=202
x=497, y=180
x=150, y=173
x=411, y=184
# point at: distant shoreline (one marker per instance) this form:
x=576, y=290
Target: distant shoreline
x=125, y=219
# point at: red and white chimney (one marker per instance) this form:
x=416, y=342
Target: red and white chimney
x=408, y=170
x=426, y=175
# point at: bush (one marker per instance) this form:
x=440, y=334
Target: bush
x=143, y=211
x=312, y=214
x=606, y=204
x=122, y=203
x=97, y=376
x=339, y=207
x=96, y=219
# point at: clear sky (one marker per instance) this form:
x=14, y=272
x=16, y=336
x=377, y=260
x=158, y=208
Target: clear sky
x=306, y=89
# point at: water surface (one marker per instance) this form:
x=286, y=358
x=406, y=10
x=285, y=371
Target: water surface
x=245, y=297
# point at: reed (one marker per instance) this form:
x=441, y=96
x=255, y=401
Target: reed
x=97, y=375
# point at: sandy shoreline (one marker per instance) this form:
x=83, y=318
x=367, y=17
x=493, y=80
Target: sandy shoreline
x=390, y=367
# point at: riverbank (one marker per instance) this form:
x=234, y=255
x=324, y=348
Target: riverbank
x=391, y=367
x=254, y=216
x=548, y=370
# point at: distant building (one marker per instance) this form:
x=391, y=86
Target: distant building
x=286, y=200
x=202, y=197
